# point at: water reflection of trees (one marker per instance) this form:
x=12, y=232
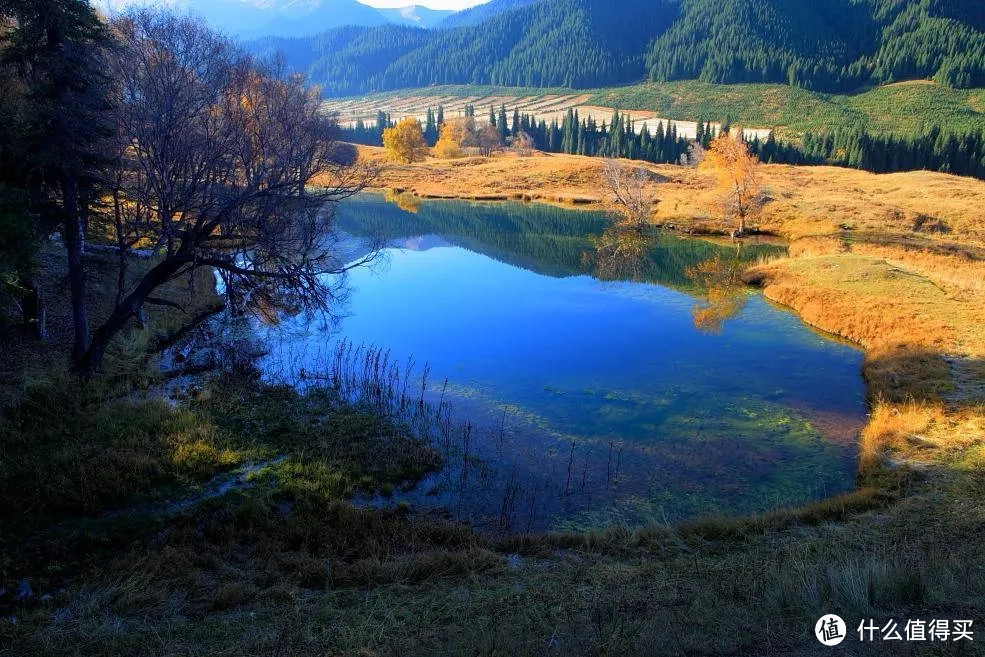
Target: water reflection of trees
x=621, y=253
x=406, y=202
x=723, y=292
x=545, y=239
x=538, y=237
x=626, y=252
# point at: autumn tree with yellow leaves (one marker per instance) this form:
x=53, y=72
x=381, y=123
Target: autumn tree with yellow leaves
x=404, y=142
x=462, y=132
x=455, y=134
x=738, y=178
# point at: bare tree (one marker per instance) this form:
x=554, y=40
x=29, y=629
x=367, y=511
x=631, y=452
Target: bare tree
x=695, y=155
x=523, y=144
x=224, y=165
x=632, y=191
x=487, y=139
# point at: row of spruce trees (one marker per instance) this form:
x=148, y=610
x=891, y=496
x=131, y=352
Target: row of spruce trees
x=934, y=149
x=573, y=135
x=962, y=154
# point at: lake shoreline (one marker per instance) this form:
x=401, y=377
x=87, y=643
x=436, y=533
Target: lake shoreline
x=288, y=557
x=548, y=289
x=860, y=267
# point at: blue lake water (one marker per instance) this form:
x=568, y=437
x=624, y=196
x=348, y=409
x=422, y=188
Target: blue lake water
x=596, y=393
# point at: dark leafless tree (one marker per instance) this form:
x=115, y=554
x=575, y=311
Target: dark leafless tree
x=223, y=164
x=632, y=190
x=487, y=139
x=621, y=253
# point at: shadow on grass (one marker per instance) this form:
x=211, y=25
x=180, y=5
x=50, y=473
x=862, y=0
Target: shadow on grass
x=915, y=374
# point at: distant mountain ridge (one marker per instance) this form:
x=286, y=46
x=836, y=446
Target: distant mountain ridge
x=417, y=16
x=830, y=45
x=290, y=18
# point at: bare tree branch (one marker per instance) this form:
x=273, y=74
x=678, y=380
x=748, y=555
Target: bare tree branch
x=632, y=190
x=225, y=163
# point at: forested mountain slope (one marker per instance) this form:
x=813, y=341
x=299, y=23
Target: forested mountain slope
x=826, y=45
x=830, y=45
x=346, y=60
x=571, y=43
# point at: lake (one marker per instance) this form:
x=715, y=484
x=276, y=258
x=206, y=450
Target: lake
x=608, y=376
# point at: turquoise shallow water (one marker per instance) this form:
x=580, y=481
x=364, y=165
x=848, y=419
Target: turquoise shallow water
x=595, y=397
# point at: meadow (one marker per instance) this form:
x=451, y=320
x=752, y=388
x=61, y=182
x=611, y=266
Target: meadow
x=901, y=108
x=283, y=564
x=162, y=497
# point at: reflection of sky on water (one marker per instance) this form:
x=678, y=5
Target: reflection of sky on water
x=591, y=373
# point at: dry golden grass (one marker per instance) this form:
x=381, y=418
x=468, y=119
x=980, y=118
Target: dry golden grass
x=895, y=263
x=804, y=201
x=897, y=427
x=541, y=177
x=863, y=299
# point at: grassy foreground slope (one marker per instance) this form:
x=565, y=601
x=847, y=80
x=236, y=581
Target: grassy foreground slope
x=904, y=108
x=286, y=566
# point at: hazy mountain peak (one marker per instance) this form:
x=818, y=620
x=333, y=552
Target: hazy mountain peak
x=289, y=18
x=416, y=15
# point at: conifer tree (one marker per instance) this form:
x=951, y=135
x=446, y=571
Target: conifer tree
x=430, y=129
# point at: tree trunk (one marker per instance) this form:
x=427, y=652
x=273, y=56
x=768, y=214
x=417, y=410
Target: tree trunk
x=121, y=243
x=72, y=232
x=130, y=307
x=34, y=310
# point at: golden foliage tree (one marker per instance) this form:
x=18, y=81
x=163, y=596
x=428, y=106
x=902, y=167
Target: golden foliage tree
x=462, y=132
x=738, y=180
x=455, y=134
x=404, y=142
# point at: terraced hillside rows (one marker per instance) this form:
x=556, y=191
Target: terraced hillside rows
x=543, y=106
x=905, y=108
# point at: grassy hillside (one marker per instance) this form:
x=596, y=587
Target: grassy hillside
x=806, y=200
x=905, y=107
